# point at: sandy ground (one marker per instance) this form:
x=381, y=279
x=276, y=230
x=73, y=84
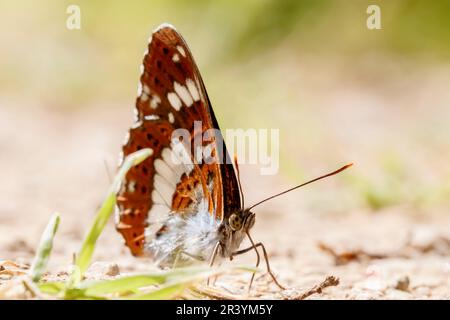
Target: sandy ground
x=57, y=163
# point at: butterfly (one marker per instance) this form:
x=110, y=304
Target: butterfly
x=175, y=206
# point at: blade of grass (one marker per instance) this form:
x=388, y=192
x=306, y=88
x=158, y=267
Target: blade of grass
x=180, y=276
x=52, y=288
x=78, y=294
x=121, y=285
x=163, y=293
x=84, y=256
x=130, y=283
x=175, y=287
x=44, y=249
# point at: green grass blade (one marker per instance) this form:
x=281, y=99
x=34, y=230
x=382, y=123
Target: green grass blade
x=78, y=294
x=134, y=282
x=52, y=288
x=84, y=256
x=120, y=285
x=163, y=293
x=44, y=249
x=172, y=281
x=177, y=282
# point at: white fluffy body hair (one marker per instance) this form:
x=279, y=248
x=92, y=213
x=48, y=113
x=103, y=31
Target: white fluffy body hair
x=194, y=234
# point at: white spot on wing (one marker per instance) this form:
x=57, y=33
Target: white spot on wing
x=163, y=169
x=151, y=117
x=127, y=138
x=164, y=189
x=179, y=152
x=193, y=89
x=164, y=25
x=136, y=125
x=174, y=100
x=207, y=150
x=167, y=175
x=183, y=93
x=155, y=101
x=176, y=166
x=181, y=50
x=139, y=89
x=171, y=117
x=176, y=58
x=143, y=92
x=131, y=187
x=180, y=155
x=157, y=215
x=156, y=197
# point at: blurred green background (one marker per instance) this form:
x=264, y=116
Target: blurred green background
x=338, y=91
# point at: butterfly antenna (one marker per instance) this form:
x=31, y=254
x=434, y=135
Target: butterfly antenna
x=239, y=179
x=303, y=184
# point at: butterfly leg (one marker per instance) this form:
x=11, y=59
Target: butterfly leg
x=258, y=259
x=266, y=258
x=211, y=262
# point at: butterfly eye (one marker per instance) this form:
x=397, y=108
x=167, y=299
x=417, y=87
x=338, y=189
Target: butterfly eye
x=235, y=222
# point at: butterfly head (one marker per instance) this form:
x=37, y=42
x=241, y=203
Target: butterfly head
x=234, y=229
x=241, y=220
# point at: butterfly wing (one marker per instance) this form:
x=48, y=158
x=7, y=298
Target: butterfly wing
x=172, y=96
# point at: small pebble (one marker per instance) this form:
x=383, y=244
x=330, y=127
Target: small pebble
x=104, y=269
x=403, y=284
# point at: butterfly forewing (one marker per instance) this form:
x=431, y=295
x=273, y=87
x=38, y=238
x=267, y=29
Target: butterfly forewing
x=171, y=96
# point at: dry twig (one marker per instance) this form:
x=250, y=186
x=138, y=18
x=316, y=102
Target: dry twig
x=341, y=258
x=330, y=281
x=10, y=268
x=214, y=293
